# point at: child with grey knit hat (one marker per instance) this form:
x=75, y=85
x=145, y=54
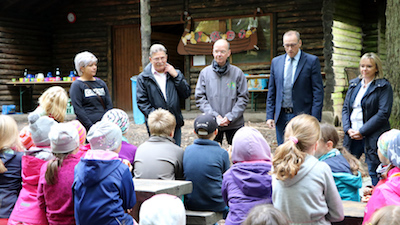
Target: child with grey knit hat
x=27, y=208
x=103, y=186
x=57, y=176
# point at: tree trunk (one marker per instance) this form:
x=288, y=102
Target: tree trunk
x=393, y=55
x=145, y=29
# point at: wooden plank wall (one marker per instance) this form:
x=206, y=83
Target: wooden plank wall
x=374, y=28
x=303, y=16
x=92, y=30
x=342, y=51
x=24, y=43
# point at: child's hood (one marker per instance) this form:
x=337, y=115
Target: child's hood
x=349, y=179
x=252, y=178
x=96, y=166
x=309, y=163
x=249, y=145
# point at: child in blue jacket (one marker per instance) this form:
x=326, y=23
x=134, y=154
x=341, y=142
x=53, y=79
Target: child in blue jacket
x=345, y=167
x=103, y=186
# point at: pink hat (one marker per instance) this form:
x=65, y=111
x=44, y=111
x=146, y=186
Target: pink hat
x=81, y=130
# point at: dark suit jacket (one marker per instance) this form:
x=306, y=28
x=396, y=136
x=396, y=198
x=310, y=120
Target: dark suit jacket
x=308, y=89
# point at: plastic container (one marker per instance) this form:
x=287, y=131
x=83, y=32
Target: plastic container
x=8, y=109
x=138, y=116
x=70, y=108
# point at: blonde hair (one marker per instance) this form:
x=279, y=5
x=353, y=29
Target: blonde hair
x=329, y=133
x=266, y=214
x=303, y=129
x=161, y=123
x=375, y=58
x=84, y=59
x=9, y=137
x=386, y=215
x=54, y=102
x=52, y=167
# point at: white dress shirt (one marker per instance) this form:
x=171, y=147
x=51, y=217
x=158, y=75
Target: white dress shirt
x=161, y=79
x=356, y=116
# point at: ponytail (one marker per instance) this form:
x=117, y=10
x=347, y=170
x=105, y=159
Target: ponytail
x=52, y=168
x=287, y=160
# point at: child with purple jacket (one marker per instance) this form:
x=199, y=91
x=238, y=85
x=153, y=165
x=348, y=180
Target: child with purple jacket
x=247, y=183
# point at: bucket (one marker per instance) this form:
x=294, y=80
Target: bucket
x=138, y=116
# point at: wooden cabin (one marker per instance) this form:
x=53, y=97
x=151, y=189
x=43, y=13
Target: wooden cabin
x=43, y=35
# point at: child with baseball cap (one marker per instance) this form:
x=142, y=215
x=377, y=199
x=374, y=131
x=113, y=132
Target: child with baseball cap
x=103, y=186
x=56, y=176
x=204, y=163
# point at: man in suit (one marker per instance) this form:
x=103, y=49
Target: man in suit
x=295, y=85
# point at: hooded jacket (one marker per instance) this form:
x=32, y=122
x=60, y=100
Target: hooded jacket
x=103, y=189
x=223, y=94
x=150, y=97
x=311, y=196
x=385, y=194
x=27, y=206
x=10, y=182
x=247, y=183
x=347, y=184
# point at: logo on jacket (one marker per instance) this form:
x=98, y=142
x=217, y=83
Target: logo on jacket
x=232, y=85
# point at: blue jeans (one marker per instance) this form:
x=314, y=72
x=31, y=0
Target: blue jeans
x=283, y=120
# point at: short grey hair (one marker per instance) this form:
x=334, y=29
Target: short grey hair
x=157, y=48
x=290, y=32
x=83, y=59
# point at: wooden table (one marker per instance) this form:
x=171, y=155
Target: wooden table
x=255, y=92
x=146, y=188
x=25, y=86
x=353, y=213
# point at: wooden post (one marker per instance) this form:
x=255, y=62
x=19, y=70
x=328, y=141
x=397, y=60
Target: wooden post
x=145, y=30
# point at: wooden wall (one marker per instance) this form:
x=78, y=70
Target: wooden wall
x=343, y=45
x=303, y=16
x=44, y=45
x=24, y=43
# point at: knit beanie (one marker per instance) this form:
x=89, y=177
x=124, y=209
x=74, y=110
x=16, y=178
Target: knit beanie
x=64, y=138
x=81, y=130
x=384, y=139
x=104, y=135
x=393, y=152
x=162, y=209
x=119, y=117
x=39, y=127
x=248, y=144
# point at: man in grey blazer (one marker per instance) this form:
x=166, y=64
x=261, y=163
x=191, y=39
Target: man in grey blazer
x=295, y=85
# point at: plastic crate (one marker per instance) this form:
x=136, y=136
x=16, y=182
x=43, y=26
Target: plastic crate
x=8, y=109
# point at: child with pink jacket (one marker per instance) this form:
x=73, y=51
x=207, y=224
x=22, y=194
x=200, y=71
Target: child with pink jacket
x=387, y=193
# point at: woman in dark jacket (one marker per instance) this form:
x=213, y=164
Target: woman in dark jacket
x=366, y=111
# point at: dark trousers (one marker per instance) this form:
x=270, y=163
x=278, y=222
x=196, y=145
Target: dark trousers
x=228, y=133
x=280, y=126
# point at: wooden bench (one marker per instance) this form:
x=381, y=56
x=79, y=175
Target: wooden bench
x=202, y=217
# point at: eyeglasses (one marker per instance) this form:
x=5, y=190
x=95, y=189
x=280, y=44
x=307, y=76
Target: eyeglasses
x=157, y=59
x=290, y=45
x=220, y=51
